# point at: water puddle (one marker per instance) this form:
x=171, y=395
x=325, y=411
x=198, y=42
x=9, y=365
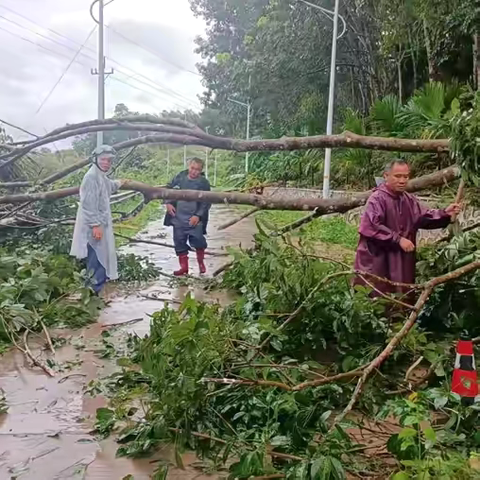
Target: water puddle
x=46, y=433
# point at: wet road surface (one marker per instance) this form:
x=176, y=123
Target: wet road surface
x=46, y=433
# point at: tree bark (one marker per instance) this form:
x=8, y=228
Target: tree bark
x=194, y=136
x=428, y=48
x=436, y=179
x=476, y=60
x=344, y=140
x=322, y=206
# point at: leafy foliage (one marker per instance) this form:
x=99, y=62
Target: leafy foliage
x=265, y=427
x=132, y=268
x=35, y=286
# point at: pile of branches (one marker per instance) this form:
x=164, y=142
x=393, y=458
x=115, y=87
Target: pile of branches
x=277, y=384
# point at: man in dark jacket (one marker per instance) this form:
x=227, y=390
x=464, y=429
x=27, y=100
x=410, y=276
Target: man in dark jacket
x=189, y=219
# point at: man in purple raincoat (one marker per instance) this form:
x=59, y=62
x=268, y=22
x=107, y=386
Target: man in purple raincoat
x=388, y=230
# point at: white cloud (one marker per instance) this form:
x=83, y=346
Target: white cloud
x=157, y=75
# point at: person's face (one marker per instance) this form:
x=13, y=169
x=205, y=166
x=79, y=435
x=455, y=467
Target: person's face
x=194, y=170
x=105, y=162
x=397, y=178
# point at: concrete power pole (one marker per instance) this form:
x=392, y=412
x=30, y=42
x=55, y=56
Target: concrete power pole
x=100, y=71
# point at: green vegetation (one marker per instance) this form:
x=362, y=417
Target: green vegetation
x=327, y=230
x=37, y=289
x=231, y=383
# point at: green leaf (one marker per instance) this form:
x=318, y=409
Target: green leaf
x=179, y=460
x=337, y=469
x=430, y=434
x=161, y=473
x=279, y=441
x=407, y=433
x=401, y=476
x=440, y=402
x=316, y=467
x=410, y=420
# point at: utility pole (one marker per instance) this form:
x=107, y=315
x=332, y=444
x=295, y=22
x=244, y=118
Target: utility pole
x=331, y=103
x=100, y=71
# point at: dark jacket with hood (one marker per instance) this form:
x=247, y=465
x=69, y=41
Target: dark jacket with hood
x=185, y=210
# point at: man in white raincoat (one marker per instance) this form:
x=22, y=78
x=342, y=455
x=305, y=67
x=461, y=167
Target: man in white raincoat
x=93, y=237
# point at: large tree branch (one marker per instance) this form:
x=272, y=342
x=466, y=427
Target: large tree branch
x=174, y=131
x=322, y=206
x=435, y=179
x=395, y=341
x=344, y=140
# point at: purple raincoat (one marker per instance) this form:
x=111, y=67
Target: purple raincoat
x=388, y=217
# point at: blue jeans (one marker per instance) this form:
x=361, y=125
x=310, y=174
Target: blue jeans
x=96, y=273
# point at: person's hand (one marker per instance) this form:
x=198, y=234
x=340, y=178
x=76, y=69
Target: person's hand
x=194, y=221
x=122, y=182
x=171, y=209
x=453, y=210
x=97, y=233
x=406, y=245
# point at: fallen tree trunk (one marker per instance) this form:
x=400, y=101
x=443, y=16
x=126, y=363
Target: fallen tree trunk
x=435, y=179
x=322, y=206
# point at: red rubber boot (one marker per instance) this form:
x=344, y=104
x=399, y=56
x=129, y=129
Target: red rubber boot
x=201, y=260
x=183, y=261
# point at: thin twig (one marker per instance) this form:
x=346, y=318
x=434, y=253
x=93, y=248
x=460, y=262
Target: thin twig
x=413, y=367
x=236, y=220
x=167, y=245
x=122, y=324
x=47, y=335
x=26, y=351
x=221, y=269
x=160, y=299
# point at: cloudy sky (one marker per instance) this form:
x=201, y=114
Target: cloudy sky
x=149, y=44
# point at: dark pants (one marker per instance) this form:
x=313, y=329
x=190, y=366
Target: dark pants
x=96, y=273
x=182, y=236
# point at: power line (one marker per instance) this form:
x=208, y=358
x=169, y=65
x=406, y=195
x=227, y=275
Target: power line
x=80, y=63
x=152, y=52
x=18, y=128
x=35, y=44
x=62, y=76
x=161, y=87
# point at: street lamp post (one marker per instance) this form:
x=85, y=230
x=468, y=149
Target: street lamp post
x=331, y=93
x=206, y=156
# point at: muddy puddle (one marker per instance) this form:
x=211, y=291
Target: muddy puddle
x=46, y=433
